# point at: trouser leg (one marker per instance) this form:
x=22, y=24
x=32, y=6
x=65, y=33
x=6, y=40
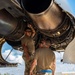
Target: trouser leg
x=27, y=68
x=27, y=71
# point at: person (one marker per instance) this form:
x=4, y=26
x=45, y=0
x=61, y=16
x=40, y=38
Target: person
x=44, y=60
x=28, y=47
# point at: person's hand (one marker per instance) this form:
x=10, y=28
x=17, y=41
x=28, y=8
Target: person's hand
x=29, y=25
x=53, y=66
x=30, y=73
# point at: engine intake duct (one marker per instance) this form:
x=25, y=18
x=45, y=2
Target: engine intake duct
x=11, y=28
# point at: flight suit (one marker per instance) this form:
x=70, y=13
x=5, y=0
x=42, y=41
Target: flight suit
x=29, y=43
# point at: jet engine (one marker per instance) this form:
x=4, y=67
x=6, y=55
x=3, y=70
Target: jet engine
x=51, y=21
x=48, y=19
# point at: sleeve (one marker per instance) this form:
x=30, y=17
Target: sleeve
x=36, y=55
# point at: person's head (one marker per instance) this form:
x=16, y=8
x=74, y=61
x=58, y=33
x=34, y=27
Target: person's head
x=44, y=43
x=28, y=32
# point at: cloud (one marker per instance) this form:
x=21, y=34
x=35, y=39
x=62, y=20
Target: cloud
x=17, y=58
x=59, y=55
x=14, y=57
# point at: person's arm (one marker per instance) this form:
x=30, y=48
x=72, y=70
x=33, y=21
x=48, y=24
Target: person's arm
x=33, y=66
x=53, y=67
x=33, y=31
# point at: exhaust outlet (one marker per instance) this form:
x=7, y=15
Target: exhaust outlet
x=45, y=13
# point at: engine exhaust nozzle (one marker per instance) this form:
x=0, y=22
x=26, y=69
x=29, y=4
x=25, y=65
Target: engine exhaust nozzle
x=45, y=13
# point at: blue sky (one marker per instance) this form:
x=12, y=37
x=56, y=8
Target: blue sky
x=72, y=6
x=16, y=56
x=67, y=5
